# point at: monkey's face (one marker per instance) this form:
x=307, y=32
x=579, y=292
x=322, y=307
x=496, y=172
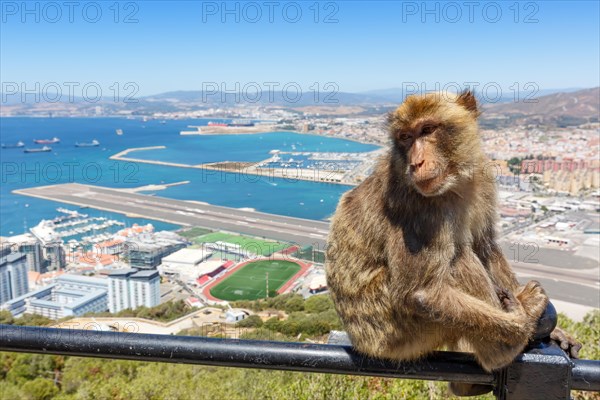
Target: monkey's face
x=437, y=139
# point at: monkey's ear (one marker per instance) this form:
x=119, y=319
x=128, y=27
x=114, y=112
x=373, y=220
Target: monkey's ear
x=390, y=117
x=468, y=101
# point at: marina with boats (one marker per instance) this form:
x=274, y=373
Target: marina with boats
x=79, y=229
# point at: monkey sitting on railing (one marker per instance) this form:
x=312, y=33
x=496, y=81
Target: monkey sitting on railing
x=412, y=260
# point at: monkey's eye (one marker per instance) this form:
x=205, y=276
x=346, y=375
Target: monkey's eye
x=427, y=129
x=404, y=137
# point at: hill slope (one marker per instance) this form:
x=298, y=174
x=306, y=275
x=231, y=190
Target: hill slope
x=558, y=109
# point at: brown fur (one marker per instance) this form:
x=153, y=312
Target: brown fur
x=412, y=262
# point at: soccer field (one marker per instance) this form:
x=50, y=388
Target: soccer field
x=253, y=245
x=249, y=282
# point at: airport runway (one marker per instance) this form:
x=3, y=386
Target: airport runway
x=576, y=283
x=187, y=213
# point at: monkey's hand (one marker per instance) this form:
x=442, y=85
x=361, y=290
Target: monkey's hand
x=507, y=299
x=566, y=342
x=533, y=299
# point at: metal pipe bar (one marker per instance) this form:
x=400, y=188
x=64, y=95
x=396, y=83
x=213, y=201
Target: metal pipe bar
x=303, y=357
x=586, y=375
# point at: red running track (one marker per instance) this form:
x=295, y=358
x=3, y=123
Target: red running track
x=303, y=270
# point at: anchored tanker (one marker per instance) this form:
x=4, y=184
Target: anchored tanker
x=93, y=143
x=38, y=150
x=13, y=146
x=47, y=141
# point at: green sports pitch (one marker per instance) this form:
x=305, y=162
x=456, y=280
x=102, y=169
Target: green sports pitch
x=254, y=245
x=250, y=281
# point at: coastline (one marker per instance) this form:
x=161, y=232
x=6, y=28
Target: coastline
x=246, y=168
x=220, y=130
x=228, y=130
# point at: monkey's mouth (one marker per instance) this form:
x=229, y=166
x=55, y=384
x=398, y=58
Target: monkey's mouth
x=430, y=186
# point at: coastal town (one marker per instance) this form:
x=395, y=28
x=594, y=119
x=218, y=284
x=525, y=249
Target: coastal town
x=311, y=200
x=71, y=264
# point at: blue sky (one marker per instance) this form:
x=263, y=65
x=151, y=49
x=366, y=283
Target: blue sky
x=373, y=45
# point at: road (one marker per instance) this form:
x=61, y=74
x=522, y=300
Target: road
x=574, y=286
x=295, y=230
x=565, y=277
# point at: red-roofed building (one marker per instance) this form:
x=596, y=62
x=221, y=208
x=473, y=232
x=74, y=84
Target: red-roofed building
x=114, y=246
x=193, y=302
x=94, y=260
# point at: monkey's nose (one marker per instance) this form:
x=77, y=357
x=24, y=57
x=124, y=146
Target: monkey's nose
x=416, y=165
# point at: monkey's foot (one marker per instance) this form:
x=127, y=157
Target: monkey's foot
x=469, y=389
x=566, y=342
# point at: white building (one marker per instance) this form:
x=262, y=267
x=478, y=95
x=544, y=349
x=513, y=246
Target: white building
x=189, y=264
x=13, y=275
x=130, y=288
x=51, y=243
x=318, y=284
x=29, y=245
x=69, y=295
x=145, y=289
x=235, y=315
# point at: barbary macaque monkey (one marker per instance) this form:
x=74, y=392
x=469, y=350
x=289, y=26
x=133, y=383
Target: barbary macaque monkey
x=412, y=261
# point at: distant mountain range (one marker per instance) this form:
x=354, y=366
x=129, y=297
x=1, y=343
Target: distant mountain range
x=390, y=96
x=276, y=97
x=397, y=95
x=558, y=107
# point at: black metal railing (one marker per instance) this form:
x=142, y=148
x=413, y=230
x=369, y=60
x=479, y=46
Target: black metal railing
x=543, y=372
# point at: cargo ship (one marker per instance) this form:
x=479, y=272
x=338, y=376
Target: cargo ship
x=93, y=143
x=47, y=141
x=38, y=150
x=13, y=146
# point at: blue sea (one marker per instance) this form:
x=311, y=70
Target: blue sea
x=91, y=165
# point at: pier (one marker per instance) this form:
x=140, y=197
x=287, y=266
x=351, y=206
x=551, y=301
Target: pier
x=248, y=168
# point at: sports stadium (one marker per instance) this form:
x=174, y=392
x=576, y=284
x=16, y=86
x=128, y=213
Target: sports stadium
x=249, y=280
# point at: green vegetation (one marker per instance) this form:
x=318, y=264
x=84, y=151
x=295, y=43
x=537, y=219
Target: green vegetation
x=164, y=312
x=193, y=232
x=310, y=254
x=313, y=317
x=249, y=282
x=253, y=245
x=514, y=165
x=305, y=324
x=289, y=302
x=45, y=377
x=272, y=303
x=253, y=321
x=25, y=320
